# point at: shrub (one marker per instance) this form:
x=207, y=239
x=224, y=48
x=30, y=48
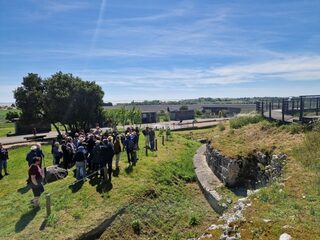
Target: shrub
x=136, y=227
x=242, y=121
x=11, y=115
x=221, y=127
x=194, y=221
x=293, y=128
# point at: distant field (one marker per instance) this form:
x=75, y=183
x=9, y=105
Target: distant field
x=5, y=126
x=245, y=108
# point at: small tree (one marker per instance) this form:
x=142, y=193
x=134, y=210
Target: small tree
x=11, y=115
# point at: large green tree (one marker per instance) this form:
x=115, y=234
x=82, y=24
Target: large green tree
x=29, y=98
x=61, y=98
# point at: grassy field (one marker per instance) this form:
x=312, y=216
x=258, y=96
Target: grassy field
x=289, y=205
x=5, y=127
x=159, y=200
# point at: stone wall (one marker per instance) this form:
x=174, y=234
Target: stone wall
x=253, y=171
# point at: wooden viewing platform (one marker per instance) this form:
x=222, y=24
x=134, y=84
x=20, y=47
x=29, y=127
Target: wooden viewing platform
x=302, y=109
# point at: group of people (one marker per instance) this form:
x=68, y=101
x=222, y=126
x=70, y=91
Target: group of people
x=93, y=151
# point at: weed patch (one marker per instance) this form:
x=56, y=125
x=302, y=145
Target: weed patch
x=242, y=121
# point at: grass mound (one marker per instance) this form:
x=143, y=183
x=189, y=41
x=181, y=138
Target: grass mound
x=291, y=203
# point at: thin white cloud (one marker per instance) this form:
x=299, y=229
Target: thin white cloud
x=303, y=68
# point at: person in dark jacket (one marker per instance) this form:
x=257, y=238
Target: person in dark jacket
x=32, y=154
x=4, y=156
x=107, y=153
x=117, y=150
x=80, y=160
x=96, y=156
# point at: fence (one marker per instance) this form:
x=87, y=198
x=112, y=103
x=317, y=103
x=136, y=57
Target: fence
x=301, y=109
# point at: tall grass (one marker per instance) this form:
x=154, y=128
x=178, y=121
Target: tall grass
x=242, y=121
x=308, y=153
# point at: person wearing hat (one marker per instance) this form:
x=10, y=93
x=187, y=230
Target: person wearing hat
x=31, y=155
x=3, y=160
x=35, y=178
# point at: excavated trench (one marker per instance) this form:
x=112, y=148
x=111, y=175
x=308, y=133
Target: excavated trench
x=253, y=171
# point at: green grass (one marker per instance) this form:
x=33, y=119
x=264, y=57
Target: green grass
x=242, y=121
x=5, y=127
x=290, y=201
x=168, y=174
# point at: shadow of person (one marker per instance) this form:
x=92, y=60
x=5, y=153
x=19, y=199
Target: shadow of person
x=104, y=186
x=128, y=169
x=76, y=186
x=116, y=172
x=24, y=189
x=25, y=219
x=94, y=180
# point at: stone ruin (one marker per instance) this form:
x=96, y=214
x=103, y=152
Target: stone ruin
x=252, y=171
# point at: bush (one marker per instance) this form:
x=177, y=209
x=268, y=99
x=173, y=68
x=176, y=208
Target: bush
x=11, y=115
x=194, y=221
x=221, y=127
x=242, y=121
x=293, y=128
x=136, y=227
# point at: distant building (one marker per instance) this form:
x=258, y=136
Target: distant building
x=226, y=110
x=180, y=115
x=149, y=117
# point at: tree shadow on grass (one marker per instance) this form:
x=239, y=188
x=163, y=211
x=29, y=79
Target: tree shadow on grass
x=25, y=219
x=24, y=189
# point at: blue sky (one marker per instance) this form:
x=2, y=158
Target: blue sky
x=168, y=49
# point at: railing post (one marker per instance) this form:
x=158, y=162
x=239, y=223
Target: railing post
x=163, y=140
x=262, y=108
x=301, y=109
x=270, y=104
x=156, y=144
x=283, y=110
x=146, y=150
x=48, y=204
